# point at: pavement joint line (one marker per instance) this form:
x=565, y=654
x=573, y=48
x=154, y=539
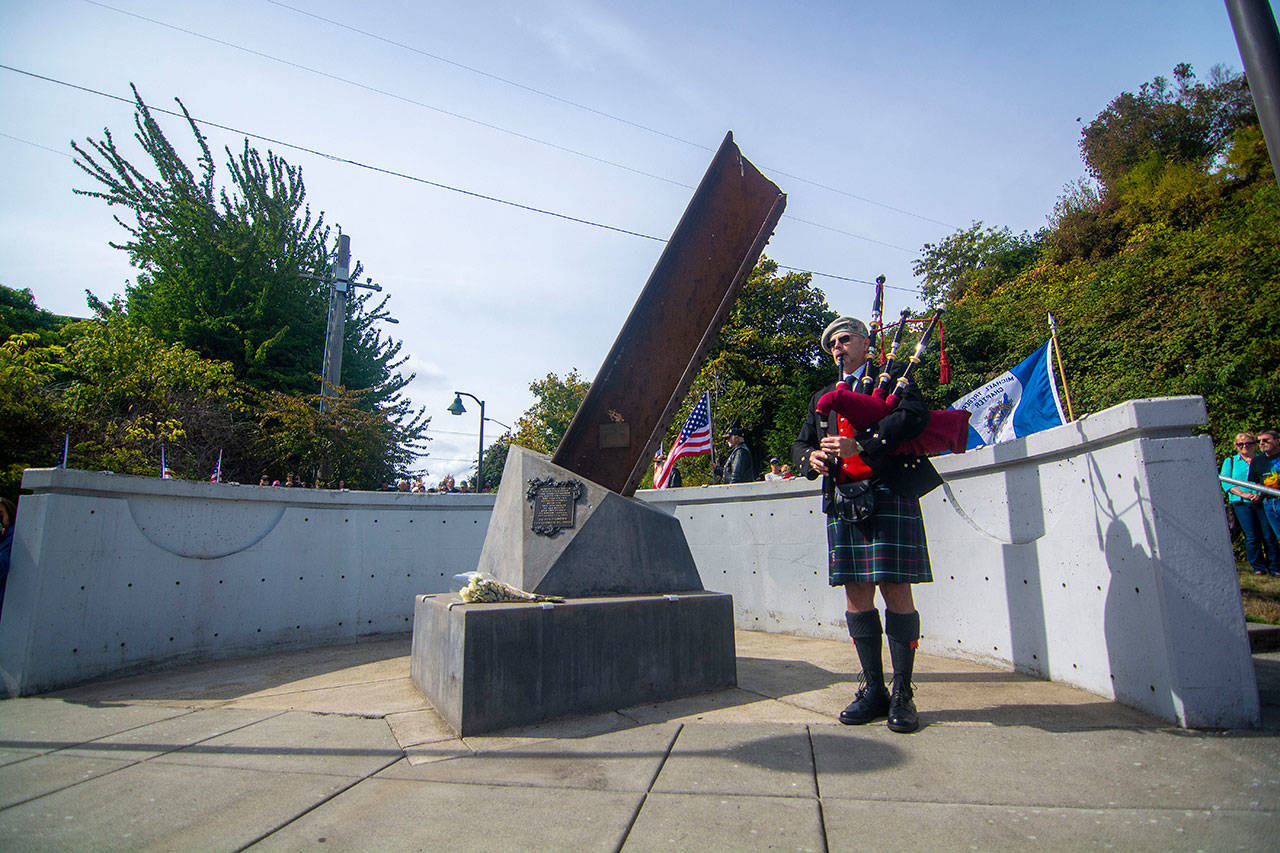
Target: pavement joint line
x=125, y=763
x=635, y=816
x=817, y=791
x=318, y=804
x=284, y=691
x=1056, y=807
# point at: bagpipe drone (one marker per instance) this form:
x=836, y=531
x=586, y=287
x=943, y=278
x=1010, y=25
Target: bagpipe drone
x=948, y=429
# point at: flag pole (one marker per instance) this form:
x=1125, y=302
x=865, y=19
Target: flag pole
x=66, y=448
x=1057, y=351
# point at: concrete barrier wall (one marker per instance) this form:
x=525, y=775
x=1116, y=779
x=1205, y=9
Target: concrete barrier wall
x=1093, y=554
x=115, y=573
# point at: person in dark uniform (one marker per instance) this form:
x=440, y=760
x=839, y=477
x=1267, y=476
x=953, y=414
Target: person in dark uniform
x=875, y=531
x=739, y=465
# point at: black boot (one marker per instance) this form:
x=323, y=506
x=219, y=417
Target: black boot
x=903, y=631
x=872, y=700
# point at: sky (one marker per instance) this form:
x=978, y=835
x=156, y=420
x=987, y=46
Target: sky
x=888, y=126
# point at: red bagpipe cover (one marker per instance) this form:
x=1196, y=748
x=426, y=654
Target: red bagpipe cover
x=948, y=428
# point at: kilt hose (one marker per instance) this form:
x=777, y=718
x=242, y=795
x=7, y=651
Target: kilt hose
x=889, y=548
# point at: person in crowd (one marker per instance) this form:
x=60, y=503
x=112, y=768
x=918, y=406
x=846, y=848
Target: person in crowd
x=786, y=472
x=674, y=480
x=875, y=530
x=739, y=466
x=775, y=470
x=8, y=520
x=1264, y=469
x=1259, y=539
x=264, y=480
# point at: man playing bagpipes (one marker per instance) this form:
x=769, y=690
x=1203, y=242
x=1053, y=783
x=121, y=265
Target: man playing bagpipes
x=871, y=489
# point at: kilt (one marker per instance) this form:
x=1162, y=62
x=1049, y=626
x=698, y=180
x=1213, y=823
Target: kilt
x=890, y=548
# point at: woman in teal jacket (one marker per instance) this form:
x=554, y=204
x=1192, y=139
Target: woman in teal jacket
x=1260, y=547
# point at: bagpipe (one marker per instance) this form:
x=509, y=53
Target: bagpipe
x=948, y=429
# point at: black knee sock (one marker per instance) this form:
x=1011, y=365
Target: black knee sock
x=903, y=632
x=865, y=630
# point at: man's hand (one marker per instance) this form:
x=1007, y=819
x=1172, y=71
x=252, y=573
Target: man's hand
x=818, y=460
x=831, y=450
x=840, y=446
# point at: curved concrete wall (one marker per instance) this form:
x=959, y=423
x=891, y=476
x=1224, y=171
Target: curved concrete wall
x=1093, y=554
x=114, y=573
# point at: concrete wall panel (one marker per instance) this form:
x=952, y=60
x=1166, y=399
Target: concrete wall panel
x=1095, y=554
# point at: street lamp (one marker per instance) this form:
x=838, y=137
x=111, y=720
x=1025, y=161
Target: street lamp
x=456, y=408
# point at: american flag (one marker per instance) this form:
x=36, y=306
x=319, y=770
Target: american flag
x=216, y=476
x=165, y=473
x=695, y=439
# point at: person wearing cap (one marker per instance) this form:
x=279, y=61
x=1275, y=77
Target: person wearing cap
x=775, y=469
x=885, y=547
x=739, y=466
x=674, y=480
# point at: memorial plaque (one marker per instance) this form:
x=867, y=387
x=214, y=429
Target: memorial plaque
x=553, y=505
x=615, y=435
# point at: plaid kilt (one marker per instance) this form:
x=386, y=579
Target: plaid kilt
x=890, y=548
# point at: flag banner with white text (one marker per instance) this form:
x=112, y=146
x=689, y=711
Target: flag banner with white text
x=1016, y=403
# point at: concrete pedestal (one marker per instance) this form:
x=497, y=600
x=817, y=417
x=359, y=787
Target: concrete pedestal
x=614, y=545
x=492, y=666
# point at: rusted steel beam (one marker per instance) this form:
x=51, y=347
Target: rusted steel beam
x=660, y=349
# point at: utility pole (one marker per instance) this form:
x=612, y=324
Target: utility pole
x=1259, y=43
x=339, y=284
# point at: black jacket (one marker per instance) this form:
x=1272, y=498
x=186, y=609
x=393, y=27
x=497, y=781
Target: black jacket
x=910, y=476
x=739, y=467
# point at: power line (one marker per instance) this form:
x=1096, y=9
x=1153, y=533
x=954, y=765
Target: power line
x=389, y=94
x=847, y=233
x=35, y=144
x=393, y=173
x=500, y=128
x=620, y=119
x=481, y=72
x=338, y=159
x=848, y=278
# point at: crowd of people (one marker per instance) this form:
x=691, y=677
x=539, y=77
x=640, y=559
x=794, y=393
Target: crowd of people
x=447, y=484
x=1256, y=460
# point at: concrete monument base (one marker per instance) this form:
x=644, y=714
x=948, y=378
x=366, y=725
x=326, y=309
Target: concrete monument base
x=491, y=666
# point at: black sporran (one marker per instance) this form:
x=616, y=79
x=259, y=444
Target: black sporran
x=855, y=501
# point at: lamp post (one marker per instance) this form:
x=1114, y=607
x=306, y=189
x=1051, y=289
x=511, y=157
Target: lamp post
x=456, y=408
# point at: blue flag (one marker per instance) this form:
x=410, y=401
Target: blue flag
x=1016, y=403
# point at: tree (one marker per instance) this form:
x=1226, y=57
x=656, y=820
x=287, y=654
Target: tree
x=557, y=400
x=1190, y=122
x=1160, y=269
x=495, y=459
x=19, y=313
x=972, y=261
x=763, y=367
x=349, y=441
x=235, y=274
x=29, y=416
x=119, y=394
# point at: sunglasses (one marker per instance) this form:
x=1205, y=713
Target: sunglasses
x=1245, y=443
x=841, y=339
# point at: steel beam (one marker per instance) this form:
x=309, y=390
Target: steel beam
x=660, y=349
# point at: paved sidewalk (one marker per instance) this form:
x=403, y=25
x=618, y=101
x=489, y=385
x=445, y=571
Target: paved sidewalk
x=333, y=748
